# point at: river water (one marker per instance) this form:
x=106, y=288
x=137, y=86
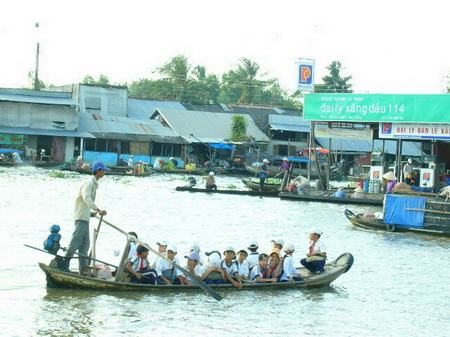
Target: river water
x=399, y=284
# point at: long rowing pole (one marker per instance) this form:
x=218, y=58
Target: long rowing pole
x=79, y=255
x=195, y=279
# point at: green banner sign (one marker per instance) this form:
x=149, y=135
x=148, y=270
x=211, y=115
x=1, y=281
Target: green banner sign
x=8, y=139
x=377, y=108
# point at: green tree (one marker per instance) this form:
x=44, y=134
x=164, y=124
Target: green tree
x=239, y=129
x=102, y=80
x=241, y=85
x=334, y=82
x=39, y=85
x=176, y=71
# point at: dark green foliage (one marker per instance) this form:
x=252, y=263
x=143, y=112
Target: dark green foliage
x=334, y=82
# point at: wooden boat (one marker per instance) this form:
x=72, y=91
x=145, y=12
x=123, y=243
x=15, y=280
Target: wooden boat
x=57, y=278
x=233, y=192
x=113, y=173
x=374, y=199
x=271, y=185
x=300, y=167
x=45, y=163
x=360, y=220
x=180, y=171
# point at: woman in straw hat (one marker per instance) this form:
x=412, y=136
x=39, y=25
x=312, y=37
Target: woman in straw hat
x=391, y=181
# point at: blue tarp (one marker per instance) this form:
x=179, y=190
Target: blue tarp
x=396, y=213
x=293, y=159
x=10, y=151
x=222, y=146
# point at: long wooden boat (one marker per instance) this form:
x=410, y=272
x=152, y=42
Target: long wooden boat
x=57, y=278
x=359, y=220
x=113, y=173
x=180, y=171
x=233, y=192
x=271, y=185
x=372, y=200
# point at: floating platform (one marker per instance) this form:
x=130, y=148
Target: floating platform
x=233, y=192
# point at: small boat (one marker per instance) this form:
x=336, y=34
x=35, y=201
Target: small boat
x=7, y=157
x=57, y=278
x=300, y=167
x=233, y=192
x=196, y=171
x=271, y=184
x=373, y=200
x=45, y=163
x=367, y=222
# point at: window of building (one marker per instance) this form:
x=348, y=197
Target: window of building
x=176, y=150
x=101, y=145
x=157, y=149
x=89, y=144
x=125, y=147
x=113, y=146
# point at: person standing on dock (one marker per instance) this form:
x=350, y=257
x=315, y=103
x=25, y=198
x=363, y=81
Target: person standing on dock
x=407, y=171
x=263, y=174
x=84, y=203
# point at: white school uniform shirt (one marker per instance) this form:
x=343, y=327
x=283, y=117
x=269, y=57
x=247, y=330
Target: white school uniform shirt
x=319, y=247
x=252, y=259
x=232, y=269
x=138, y=264
x=255, y=273
x=243, y=268
x=198, y=270
x=132, y=253
x=288, y=269
x=163, y=264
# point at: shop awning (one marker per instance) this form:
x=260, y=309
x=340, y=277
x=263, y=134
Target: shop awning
x=222, y=146
x=44, y=132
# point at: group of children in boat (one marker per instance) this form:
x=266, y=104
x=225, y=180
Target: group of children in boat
x=236, y=268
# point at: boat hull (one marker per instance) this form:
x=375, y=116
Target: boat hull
x=60, y=279
x=254, y=186
x=360, y=221
x=233, y=192
x=318, y=198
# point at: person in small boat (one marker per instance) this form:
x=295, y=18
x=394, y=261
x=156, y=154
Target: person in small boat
x=133, y=245
x=131, y=161
x=139, y=268
x=260, y=273
x=391, y=180
x=193, y=266
x=290, y=273
x=263, y=174
x=84, y=203
x=212, y=272
x=252, y=258
x=358, y=193
x=174, y=162
x=275, y=267
x=278, y=245
x=340, y=193
x=195, y=247
x=230, y=268
x=162, y=249
x=316, y=255
x=16, y=158
x=243, y=267
x=210, y=182
x=166, y=271
x=285, y=164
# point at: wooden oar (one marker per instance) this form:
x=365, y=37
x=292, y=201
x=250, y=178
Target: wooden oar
x=427, y=210
x=94, y=240
x=195, y=279
x=79, y=256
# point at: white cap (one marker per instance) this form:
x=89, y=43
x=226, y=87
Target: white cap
x=289, y=247
x=211, y=173
x=229, y=249
x=253, y=244
x=173, y=248
x=316, y=231
x=279, y=241
x=409, y=161
x=162, y=243
x=286, y=158
x=265, y=161
x=195, y=247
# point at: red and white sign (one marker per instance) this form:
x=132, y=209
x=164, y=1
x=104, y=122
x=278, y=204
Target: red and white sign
x=414, y=131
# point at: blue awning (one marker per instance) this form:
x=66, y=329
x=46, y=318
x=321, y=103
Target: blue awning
x=10, y=151
x=222, y=146
x=293, y=159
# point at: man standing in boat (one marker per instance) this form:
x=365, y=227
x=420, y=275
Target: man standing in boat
x=84, y=203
